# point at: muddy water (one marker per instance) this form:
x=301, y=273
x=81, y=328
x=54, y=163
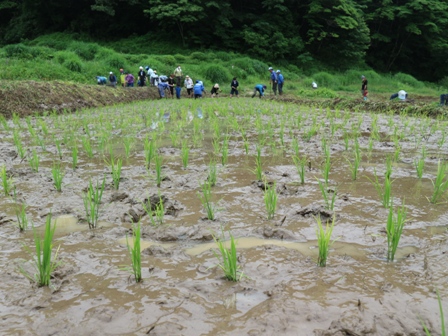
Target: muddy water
x=183, y=292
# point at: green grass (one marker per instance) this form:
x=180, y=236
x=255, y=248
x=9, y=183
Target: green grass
x=300, y=164
x=185, y=153
x=323, y=240
x=157, y=214
x=7, y=184
x=394, y=229
x=228, y=259
x=212, y=173
x=135, y=252
x=329, y=203
x=115, y=167
x=22, y=218
x=43, y=263
x=34, y=161
x=384, y=191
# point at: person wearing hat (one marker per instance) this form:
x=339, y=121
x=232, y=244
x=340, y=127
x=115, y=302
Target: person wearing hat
x=188, y=83
x=112, y=79
x=364, y=87
x=215, y=90
x=234, y=87
x=260, y=89
x=141, y=77
x=122, y=78
x=280, y=81
x=150, y=73
x=273, y=80
x=101, y=80
x=178, y=74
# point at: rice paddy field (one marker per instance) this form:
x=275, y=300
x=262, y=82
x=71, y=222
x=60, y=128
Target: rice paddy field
x=191, y=172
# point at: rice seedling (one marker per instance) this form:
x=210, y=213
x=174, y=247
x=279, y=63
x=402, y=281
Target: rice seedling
x=300, y=164
x=329, y=203
x=419, y=163
x=346, y=138
x=228, y=260
x=356, y=161
x=18, y=143
x=394, y=229
x=22, y=218
x=43, y=263
x=149, y=147
x=442, y=139
x=7, y=184
x=216, y=146
x=295, y=147
x=57, y=176
x=206, y=200
x=92, y=200
x=135, y=252
x=225, y=151
x=43, y=126
x=323, y=240
x=384, y=191
x=270, y=199
x=87, y=145
x=175, y=138
x=34, y=161
x=30, y=127
x=442, y=318
x=327, y=164
x=185, y=153
x=158, y=168
x=74, y=155
x=128, y=143
x=115, y=167
x=57, y=143
x=4, y=123
x=258, y=168
x=157, y=214
x=440, y=183
x=212, y=173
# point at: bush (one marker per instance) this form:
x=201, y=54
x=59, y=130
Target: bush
x=180, y=58
x=324, y=79
x=116, y=61
x=409, y=80
x=19, y=50
x=62, y=56
x=86, y=51
x=73, y=64
x=166, y=59
x=217, y=74
x=224, y=56
x=198, y=56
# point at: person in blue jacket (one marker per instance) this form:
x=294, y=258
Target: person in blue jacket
x=162, y=86
x=101, y=80
x=260, y=89
x=273, y=80
x=280, y=81
x=198, y=89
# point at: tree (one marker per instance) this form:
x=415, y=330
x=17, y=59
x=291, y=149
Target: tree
x=182, y=12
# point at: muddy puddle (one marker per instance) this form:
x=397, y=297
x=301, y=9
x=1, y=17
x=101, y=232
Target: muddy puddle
x=282, y=290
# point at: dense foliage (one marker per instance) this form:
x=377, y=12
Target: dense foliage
x=390, y=35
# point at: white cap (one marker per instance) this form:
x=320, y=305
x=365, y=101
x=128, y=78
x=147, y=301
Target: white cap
x=141, y=67
x=270, y=68
x=110, y=73
x=278, y=71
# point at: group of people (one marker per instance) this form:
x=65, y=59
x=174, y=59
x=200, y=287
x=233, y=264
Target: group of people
x=149, y=77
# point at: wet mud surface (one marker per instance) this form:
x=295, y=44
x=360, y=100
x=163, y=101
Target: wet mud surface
x=283, y=292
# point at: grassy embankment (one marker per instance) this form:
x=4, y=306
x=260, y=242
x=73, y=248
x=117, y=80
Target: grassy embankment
x=73, y=63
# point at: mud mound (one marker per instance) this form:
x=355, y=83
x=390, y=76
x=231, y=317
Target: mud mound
x=28, y=97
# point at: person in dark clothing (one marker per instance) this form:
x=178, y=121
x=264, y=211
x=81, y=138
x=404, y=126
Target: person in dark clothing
x=141, y=77
x=215, y=90
x=234, y=87
x=171, y=85
x=364, y=87
x=444, y=99
x=274, y=80
x=112, y=79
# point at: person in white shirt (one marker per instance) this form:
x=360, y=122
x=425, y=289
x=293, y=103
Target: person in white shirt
x=188, y=83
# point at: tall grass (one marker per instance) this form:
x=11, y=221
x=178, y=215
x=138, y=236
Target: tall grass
x=228, y=258
x=43, y=263
x=394, y=229
x=323, y=240
x=135, y=252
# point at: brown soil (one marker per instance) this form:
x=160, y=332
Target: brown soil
x=29, y=97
